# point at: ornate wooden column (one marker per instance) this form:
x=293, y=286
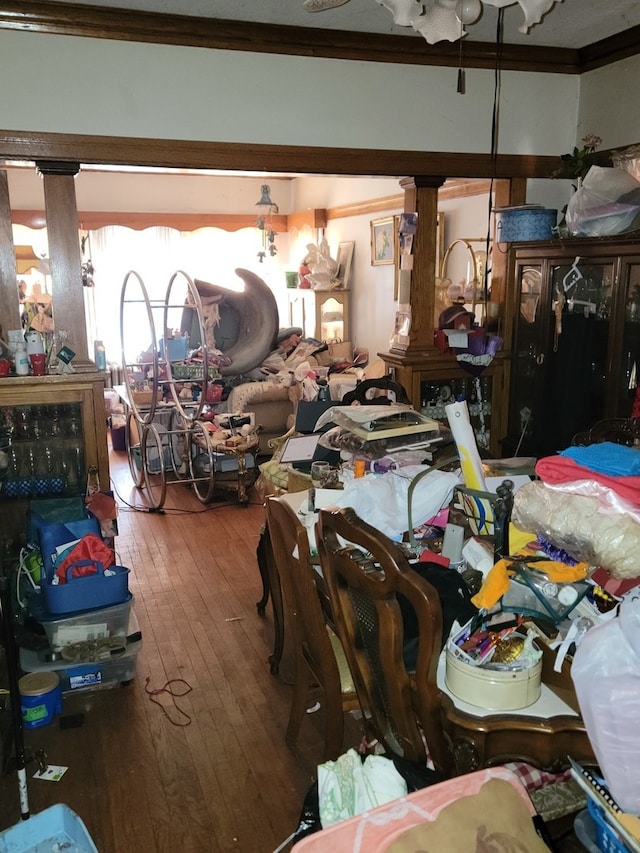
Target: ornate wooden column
x=65, y=259
x=421, y=197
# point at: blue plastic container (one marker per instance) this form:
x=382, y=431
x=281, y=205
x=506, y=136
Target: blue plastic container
x=56, y=828
x=174, y=349
x=40, y=698
x=86, y=592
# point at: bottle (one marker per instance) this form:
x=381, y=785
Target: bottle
x=100, y=355
x=21, y=360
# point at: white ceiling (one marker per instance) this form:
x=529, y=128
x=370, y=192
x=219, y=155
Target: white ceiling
x=570, y=24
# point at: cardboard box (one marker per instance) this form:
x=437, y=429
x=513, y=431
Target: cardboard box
x=144, y=398
x=561, y=682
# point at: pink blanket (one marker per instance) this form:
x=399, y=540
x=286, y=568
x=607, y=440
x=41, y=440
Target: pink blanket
x=555, y=470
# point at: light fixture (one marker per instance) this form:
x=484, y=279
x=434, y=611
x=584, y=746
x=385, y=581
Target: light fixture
x=265, y=223
x=444, y=20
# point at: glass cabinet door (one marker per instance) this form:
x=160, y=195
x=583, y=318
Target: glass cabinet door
x=562, y=351
x=476, y=391
x=331, y=313
x=581, y=310
x=627, y=380
x=528, y=369
x=44, y=447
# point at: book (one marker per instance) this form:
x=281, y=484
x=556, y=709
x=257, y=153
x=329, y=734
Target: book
x=626, y=825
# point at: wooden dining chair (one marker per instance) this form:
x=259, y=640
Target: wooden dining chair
x=367, y=576
x=321, y=670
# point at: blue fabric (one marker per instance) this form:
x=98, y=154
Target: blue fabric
x=615, y=460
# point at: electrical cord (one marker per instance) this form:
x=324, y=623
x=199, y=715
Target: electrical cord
x=125, y=506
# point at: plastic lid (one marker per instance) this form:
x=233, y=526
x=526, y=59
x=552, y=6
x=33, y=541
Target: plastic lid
x=36, y=683
x=567, y=595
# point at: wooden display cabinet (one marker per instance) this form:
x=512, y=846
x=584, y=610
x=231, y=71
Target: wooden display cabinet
x=53, y=430
x=432, y=383
x=321, y=314
x=576, y=348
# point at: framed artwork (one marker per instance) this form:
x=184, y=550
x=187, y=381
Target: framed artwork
x=382, y=241
x=343, y=270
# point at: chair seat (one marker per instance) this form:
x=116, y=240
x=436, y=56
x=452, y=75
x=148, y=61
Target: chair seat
x=558, y=800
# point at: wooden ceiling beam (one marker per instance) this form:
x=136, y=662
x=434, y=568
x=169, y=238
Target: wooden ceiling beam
x=220, y=34
x=303, y=159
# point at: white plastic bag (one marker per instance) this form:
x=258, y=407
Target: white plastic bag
x=599, y=207
x=606, y=675
x=382, y=499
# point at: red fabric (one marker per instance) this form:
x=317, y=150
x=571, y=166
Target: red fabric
x=534, y=779
x=432, y=557
x=556, y=470
x=90, y=547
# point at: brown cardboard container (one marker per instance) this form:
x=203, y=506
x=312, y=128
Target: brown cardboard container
x=560, y=682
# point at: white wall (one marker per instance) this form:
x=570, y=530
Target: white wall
x=610, y=103
x=78, y=85
x=68, y=84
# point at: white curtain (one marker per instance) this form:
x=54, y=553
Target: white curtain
x=155, y=254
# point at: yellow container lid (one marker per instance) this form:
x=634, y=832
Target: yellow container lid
x=36, y=683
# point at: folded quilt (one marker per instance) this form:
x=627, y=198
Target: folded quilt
x=555, y=470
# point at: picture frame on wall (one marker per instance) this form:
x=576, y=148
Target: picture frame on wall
x=344, y=260
x=383, y=241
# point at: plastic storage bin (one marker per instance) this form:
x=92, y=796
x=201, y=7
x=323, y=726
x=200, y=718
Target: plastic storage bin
x=56, y=828
x=608, y=841
x=90, y=591
x=93, y=675
x=111, y=621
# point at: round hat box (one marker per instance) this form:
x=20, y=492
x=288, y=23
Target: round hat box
x=40, y=698
x=525, y=224
x=492, y=689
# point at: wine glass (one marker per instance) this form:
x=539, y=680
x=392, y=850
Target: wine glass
x=320, y=474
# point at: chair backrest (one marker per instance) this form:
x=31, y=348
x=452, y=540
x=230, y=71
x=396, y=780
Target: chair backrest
x=290, y=544
x=361, y=394
x=618, y=430
x=370, y=581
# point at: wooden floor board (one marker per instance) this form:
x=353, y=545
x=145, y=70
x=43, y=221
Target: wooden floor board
x=225, y=782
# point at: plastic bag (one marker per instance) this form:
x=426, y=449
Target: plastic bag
x=382, y=499
x=576, y=524
x=606, y=675
x=607, y=203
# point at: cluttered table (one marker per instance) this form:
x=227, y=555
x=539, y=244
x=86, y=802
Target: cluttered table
x=549, y=727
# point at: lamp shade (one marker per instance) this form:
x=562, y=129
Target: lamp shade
x=468, y=11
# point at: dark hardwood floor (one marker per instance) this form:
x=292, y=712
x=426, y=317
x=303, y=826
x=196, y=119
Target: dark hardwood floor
x=141, y=779
x=224, y=782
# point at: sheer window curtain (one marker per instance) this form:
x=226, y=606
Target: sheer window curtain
x=210, y=254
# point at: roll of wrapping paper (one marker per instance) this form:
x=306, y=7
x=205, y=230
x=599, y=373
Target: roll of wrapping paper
x=463, y=435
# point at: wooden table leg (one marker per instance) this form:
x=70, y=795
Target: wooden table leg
x=264, y=572
x=271, y=585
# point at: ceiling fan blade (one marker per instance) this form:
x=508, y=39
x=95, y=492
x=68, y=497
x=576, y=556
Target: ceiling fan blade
x=322, y=5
